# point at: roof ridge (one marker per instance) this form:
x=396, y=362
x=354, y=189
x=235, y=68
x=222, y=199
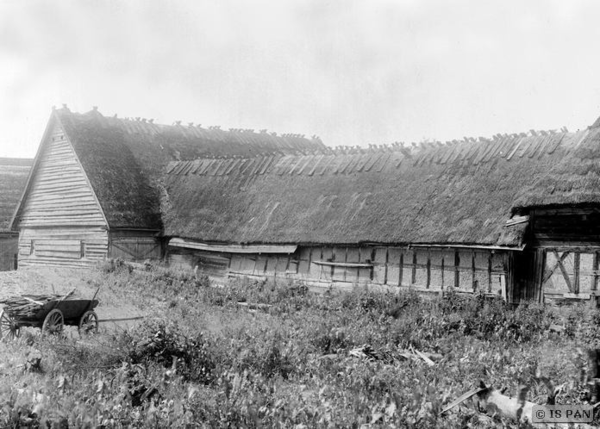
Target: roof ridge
x=140, y=124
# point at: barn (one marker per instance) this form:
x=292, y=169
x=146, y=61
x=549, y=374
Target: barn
x=13, y=175
x=516, y=215
x=95, y=190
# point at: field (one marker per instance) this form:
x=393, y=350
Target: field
x=256, y=354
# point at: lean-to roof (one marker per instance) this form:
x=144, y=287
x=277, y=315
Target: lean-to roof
x=462, y=192
x=13, y=175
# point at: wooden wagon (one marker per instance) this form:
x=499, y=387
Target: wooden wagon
x=51, y=317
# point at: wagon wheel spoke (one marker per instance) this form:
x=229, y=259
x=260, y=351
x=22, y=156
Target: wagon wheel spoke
x=53, y=323
x=8, y=326
x=88, y=324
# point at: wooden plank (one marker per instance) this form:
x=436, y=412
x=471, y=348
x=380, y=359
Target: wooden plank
x=343, y=264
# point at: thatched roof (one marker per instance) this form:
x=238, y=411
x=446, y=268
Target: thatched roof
x=13, y=176
x=123, y=158
x=462, y=192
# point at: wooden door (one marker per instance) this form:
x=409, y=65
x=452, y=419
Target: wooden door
x=569, y=273
x=527, y=274
x=135, y=248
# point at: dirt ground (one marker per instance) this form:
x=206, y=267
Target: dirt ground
x=62, y=281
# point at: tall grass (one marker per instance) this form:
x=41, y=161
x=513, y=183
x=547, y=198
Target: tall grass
x=202, y=360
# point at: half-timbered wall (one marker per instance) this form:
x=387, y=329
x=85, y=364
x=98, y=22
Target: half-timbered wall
x=566, y=251
x=61, y=222
x=432, y=269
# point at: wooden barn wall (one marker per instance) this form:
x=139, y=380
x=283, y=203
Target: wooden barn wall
x=420, y=268
x=72, y=247
x=210, y=263
x=61, y=223
x=8, y=253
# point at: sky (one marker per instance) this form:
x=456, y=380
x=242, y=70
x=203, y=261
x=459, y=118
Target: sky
x=352, y=72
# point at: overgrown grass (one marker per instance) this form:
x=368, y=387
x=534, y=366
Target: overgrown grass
x=203, y=360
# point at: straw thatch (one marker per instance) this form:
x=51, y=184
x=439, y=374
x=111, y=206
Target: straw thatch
x=123, y=158
x=457, y=193
x=13, y=176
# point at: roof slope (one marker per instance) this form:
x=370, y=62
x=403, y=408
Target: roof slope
x=461, y=192
x=123, y=158
x=13, y=176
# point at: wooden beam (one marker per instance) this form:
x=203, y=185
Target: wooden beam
x=442, y=285
x=549, y=274
x=387, y=259
x=473, y=276
x=456, y=271
x=595, y=275
x=401, y=268
x=489, y=288
x=413, y=276
x=564, y=271
x=576, y=263
x=428, y=269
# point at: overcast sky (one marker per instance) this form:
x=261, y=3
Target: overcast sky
x=352, y=72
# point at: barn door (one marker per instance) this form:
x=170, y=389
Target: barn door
x=569, y=273
x=135, y=249
x=527, y=267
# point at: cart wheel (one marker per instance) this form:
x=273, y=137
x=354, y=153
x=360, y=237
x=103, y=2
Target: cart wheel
x=53, y=323
x=88, y=324
x=8, y=326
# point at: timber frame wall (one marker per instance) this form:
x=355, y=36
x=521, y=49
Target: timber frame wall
x=421, y=268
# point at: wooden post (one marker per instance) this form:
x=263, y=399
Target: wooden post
x=456, y=271
x=345, y=260
x=332, y=260
x=594, y=300
x=473, y=274
x=385, y=271
x=428, y=268
x=372, y=270
x=576, y=263
x=595, y=269
x=443, y=268
x=490, y=255
x=413, y=276
x=401, y=267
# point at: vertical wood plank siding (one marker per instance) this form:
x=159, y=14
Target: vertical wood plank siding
x=61, y=216
x=486, y=271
